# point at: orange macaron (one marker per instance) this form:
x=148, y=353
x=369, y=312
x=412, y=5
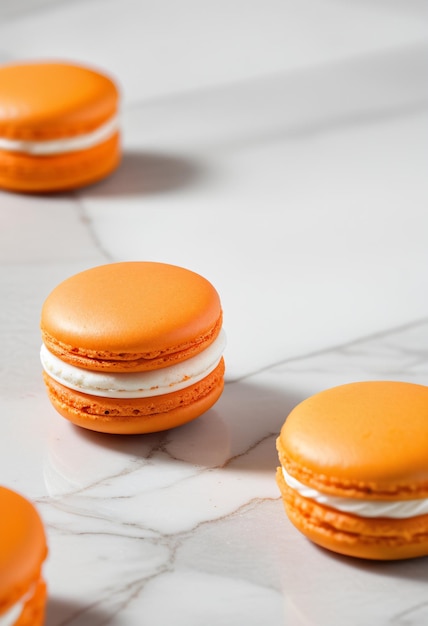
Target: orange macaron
x=354, y=469
x=133, y=347
x=58, y=126
x=22, y=552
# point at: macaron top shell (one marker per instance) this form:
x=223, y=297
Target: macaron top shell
x=131, y=316
x=362, y=440
x=22, y=547
x=43, y=101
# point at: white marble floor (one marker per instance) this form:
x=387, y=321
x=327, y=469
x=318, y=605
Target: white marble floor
x=280, y=149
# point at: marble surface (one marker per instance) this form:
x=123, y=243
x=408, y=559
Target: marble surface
x=280, y=149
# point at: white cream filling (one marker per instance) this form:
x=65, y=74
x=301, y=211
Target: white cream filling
x=364, y=508
x=135, y=384
x=61, y=146
x=11, y=616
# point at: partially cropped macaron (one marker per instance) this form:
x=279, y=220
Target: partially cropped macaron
x=354, y=469
x=59, y=126
x=23, y=549
x=133, y=347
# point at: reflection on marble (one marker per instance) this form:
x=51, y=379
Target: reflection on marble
x=278, y=148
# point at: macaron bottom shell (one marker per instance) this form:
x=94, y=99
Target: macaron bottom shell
x=137, y=415
x=351, y=535
x=33, y=613
x=43, y=174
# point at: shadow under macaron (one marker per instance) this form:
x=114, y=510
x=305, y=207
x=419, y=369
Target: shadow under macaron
x=64, y=611
x=147, y=173
x=412, y=569
x=238, y=433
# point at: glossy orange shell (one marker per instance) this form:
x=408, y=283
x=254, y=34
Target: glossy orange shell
x=53, y=100
x=23, y=549
x=367, y=439
x=131, y=316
